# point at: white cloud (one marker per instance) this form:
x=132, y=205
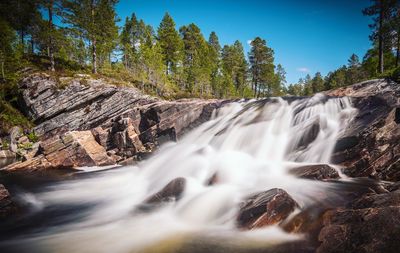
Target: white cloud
x=303, y=69
x=249, y=42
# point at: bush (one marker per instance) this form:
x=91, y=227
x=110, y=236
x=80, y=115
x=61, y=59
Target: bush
x=395, y=76
x=32, y=137
x=6, y=145
x=9, y=117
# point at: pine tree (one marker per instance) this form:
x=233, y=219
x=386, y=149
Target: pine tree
x=381, y=11
x=96, y=22
x=196, y=63
x=170, y=42
x=262, y=67
x=215, y=62
x=317, y=83
x=239, y=68
x=280, y=75
x=307, y=90
x=7, y=39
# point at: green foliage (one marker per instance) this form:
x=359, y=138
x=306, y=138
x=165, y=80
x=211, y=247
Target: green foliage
x=395, y=75
x=9, y=117
x=95, y=21
x=25, y=146
x=6, y=145
x=33, y=137
x=262, y=67
x=170, y=43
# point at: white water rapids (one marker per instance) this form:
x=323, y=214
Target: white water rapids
x=249, y=145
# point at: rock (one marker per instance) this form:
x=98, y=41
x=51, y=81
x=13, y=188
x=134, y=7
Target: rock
x=79, y=106
x=70, y=150
x=15, y=133
x=7, y=206
x=265, y=208
x=7, y=154
x=366, y=230
x=32, y=152
x=309, y=134
x=307, y=222
x=120, y=119
x=101, y=136
x=171, y=192
x=317, y=172
x=369, y=146
x=23, y=140
x=377, y=200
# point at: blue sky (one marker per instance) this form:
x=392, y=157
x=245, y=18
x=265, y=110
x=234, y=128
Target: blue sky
x=306, y=35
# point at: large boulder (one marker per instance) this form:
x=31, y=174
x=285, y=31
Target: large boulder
x=70, y=150
x=265, y=208
x=7, y=206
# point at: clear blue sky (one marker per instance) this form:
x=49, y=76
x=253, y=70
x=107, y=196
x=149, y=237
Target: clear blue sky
x=307, y=35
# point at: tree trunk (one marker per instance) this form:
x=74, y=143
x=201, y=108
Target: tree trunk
x=255, y=89
x=380, y=40
x=94, y=53
x=2, y=70
x=23, y=41
x=32, y=47
x=94, y=57
x=50, y=46
x=398, y=49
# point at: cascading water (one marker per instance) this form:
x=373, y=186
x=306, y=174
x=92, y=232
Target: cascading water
x=248, y=146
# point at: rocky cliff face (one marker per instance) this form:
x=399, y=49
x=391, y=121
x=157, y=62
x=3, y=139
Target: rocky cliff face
x=370, y=146
x=91, y=122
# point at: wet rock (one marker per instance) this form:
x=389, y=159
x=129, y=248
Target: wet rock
x=307, y=222
x=171, y=192
x=310, y=134
x=316, y=172
x=265, y=208
x=7, y=206
x=377, y=200
x=213, y=179
x=369, y=146
x=366, y=230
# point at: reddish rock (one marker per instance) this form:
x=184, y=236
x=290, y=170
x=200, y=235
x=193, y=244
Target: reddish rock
x=316, y=172
x=7, y=207
x=70, y=150
x=265, y=208
x=172, y=191
x=366, y=230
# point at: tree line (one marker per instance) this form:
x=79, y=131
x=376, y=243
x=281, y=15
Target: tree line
x=382, y=60
x=169, y=59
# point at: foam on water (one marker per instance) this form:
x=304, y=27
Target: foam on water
x=248, y=145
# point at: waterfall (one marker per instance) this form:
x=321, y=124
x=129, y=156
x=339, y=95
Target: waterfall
x=248, y=146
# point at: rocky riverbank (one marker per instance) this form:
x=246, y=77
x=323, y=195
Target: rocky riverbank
x=90, y=122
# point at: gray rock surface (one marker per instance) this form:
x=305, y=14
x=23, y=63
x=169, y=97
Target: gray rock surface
x=123, y=121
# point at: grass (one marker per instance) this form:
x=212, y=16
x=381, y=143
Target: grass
x=10, y=117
